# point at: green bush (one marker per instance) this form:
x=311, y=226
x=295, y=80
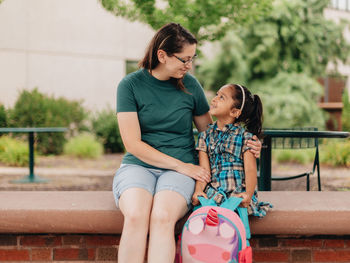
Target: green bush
x=3, y=116
x=301, y=156
x=105, y=126
x=13, y=152
x=335, y=152
x=84, y=146
x=34, y=109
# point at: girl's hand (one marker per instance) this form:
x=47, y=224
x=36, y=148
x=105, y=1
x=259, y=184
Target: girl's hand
x=246, y=199
x=194, y=171
x=255, y=146
x=195, y=200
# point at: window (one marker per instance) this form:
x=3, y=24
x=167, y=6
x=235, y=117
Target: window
x=340, y=4
x=131, y=66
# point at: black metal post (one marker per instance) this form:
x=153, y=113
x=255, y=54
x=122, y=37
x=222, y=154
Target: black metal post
x=31, y=156
x=264, y=183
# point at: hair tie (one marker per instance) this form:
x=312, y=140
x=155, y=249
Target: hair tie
x=243, y=97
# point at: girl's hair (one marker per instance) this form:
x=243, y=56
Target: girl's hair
x=171, y=38
x=252, y=112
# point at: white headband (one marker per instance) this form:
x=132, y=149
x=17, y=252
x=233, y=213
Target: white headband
x=243, y=97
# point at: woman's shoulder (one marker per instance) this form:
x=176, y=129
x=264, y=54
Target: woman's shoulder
x=131, y=83
x=132, y=77
x=191, y=83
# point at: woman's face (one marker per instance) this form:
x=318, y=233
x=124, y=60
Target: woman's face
x=178, y=64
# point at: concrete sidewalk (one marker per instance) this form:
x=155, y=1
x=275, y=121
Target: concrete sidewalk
x=45, y=171
x=69, y=178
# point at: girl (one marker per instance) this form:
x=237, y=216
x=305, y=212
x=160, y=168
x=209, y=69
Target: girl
x=156, y=106
x=223, y=148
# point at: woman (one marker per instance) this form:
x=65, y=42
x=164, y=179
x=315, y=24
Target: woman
x=155, y=109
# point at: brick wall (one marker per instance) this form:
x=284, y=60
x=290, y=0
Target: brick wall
x=301, y=249
x=88, y=247
x=57, y=247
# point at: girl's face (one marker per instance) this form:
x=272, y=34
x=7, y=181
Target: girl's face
x=221, y=105
x=179, y=64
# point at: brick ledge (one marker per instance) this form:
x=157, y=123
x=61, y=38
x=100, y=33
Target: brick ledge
x=294, y=213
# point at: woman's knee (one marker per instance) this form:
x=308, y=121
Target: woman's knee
x=136, y=217
x=136, y=208
x=168, y=207
x=162, y=217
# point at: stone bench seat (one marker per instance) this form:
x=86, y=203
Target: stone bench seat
x=294, y=213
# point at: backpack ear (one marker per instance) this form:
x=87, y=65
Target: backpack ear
x=226, y=231
x=196, y=226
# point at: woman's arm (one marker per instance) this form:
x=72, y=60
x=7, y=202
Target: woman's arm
x=202, y=121
x=131, y=135
x=255, y=146
x=250, y=178
x=199, y=189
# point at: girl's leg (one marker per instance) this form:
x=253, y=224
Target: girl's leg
x=168, y=207
x=135, y=204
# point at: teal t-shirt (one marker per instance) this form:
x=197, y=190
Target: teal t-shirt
x=165, y=113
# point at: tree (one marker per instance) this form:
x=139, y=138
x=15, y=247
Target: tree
x=206, y=19
x=279, y=57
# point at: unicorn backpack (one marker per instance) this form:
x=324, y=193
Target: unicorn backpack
x=216, y=234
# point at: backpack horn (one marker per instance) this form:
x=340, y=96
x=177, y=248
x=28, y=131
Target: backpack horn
x=212, y=218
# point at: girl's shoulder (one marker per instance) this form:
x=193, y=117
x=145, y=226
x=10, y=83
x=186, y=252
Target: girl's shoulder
x=239, y=129
x=207, y=132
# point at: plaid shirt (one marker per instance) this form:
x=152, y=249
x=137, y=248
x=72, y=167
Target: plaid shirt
x=225, y=150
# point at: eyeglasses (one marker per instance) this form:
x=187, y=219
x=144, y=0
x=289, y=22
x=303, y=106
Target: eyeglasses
x=186, y=62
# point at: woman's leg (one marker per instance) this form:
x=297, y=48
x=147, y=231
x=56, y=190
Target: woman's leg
x=135, y=204
x=168, y=207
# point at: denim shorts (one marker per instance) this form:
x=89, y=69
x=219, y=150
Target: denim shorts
x=152, y=180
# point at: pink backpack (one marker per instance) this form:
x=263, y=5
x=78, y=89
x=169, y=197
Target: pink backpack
x=215, y=234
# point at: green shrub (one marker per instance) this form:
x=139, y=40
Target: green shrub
x=335, y=152
x=301, y=156
x=13, y=152
x=105, y=126
x=84, y=146
x=34, y=109
x=3, y=116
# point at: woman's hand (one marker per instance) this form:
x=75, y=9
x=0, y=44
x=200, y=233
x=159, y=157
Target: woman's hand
x=255, y=146
x=246, y=199
x=195, y=200
x=194, y=171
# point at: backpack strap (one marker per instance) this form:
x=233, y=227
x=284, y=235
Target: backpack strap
x=211, y=202
x=243, y=214
x=233, y=204
x=206, y=202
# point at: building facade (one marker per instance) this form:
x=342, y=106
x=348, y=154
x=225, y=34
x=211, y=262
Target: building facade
x=70, y=48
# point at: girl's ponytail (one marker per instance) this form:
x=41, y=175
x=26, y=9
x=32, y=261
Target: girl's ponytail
x=253, y=122
x=252, y=111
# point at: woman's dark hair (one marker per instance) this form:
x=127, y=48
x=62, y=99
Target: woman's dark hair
x=252, y=112
x=171, y=38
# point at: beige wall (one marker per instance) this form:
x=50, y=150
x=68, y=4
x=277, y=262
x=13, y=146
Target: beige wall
x=71, y=48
